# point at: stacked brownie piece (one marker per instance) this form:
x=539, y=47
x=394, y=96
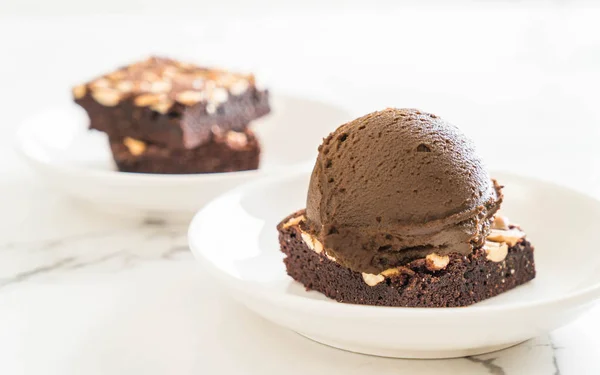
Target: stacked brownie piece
x=165, y=116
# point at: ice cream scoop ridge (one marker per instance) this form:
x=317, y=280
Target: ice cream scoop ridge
x=397, y=185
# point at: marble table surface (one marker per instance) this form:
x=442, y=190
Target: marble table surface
x=86, y=293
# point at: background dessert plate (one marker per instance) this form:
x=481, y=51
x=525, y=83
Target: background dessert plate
x=58, y=145
x=235, y=237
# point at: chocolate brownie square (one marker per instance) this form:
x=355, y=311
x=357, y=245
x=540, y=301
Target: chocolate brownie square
x=224, y=152
x=170, y=103
x=435, y=281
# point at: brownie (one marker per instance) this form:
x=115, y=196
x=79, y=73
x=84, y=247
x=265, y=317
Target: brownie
x=225, y=152
x=464, y=280
x=170, y=103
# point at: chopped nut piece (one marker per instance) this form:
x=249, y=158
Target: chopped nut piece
x=101, y=83
x=500, y=222
x=117, y=75
x=372, y=280
x=496, y=252
x=160, y=87
x=163, y=106
x=511, y=236
x=309, y=240
x=150, y=76
x=170, y=71
x=125, y=86
x=434, y=262
x=390, y=272
x=312, y=242
x=135, y=146
x=79, y=91
x=294, y=221
x=236, y=140
x=318, y=245
x=397, y=271
x=144, y=86
x=209, y=85
x=106, y=97
x=219, y=95
x=211, y=108
x=239, y=87
x=146, y=100
x=198, y=83
x=189, y=97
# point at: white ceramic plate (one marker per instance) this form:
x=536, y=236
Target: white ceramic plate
x=58, y=145
x=235, y=238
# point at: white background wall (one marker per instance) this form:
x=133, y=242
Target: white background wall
x=62, y=7
x=521, y=77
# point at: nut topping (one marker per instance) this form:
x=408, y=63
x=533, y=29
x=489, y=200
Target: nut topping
x=79, y=91
x=219, y=95
x=239, y=87
x=390, y=272
x=211, y=108
x=434, y=262
x=162, y=106
x=312, y=242
x=511, y=236
x=198, y=83
x=146, y=100
x=174, y=81
x=101, y=83
x=372, y=280
x=106, y=97
x=293, y=221
x=236, y=140
x=500, y=222
x=135, y=147
x=150, y=76
x=117, y=75
x=160, y=87
x=496, y=252
x=125, y=86
x=178, y=81
x=189, y=97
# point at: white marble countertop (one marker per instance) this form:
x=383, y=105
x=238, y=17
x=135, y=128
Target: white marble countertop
x=84, y=293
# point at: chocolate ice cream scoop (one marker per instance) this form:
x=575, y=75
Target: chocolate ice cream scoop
x=396, y=185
